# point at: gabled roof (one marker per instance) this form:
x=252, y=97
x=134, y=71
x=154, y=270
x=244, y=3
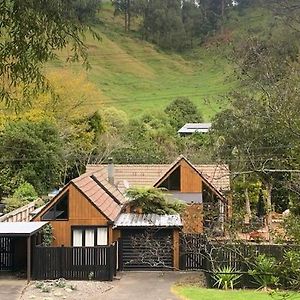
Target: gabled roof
x=176, y=163
x=149, y=174
x=104, y=196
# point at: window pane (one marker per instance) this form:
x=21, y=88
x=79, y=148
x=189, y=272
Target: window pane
x=77, y=237
x=102, y=236
x=59, y=211
x=89, y=237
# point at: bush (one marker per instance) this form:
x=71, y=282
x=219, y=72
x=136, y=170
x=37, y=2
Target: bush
x=289, y=270
x=226, y=277
x=264, y=272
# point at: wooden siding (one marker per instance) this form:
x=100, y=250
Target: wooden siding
x=176, y=249
x=192, y=218
x=190, y=180
x=81, y=213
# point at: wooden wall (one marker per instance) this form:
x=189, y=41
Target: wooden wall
x=190, y=181
x=81, y=213
x=192, y=218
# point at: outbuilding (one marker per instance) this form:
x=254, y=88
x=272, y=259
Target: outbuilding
x=17, y=241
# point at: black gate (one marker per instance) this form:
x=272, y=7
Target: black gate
x=74, y=263
x=192, y=252
x=146, y=249
x=6, y=254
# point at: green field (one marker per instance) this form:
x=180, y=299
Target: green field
x=194, y=293
x=135, y=76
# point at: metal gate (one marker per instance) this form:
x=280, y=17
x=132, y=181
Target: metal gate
x=146, y=249
x=6, y=254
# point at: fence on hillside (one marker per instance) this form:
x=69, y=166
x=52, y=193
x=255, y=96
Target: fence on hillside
x=75, y=263
x=198, y=253
x=21, y=214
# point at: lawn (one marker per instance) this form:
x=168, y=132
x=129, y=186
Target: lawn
x=194, y=293
x=135, y=76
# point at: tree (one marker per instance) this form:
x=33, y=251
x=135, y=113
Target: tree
x=182, y=111
x=30, y=152
x=32, y=33
x=153, y=201
x=163, y=24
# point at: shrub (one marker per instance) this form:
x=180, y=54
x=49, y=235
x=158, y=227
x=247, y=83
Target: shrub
x=264, y=272
x=226, y=277
x=289, y=270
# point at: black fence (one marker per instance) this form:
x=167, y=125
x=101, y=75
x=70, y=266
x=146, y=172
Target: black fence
x=6, y=254
x=75, y=263
x=198, y=253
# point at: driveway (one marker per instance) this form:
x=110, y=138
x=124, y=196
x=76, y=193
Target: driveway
x=11, y=289
x=145, y=286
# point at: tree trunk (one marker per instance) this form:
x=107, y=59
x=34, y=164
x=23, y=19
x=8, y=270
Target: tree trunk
x=222, y=16
x=128, y=15
x=247, y=200
x=269, y=188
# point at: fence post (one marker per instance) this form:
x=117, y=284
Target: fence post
x=120, y=254
x=110, y=261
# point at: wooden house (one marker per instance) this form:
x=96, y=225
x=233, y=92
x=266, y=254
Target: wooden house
x=91, y=210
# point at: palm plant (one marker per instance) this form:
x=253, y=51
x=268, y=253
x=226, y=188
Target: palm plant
x=226, y=277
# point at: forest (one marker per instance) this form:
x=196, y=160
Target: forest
x=51, y=125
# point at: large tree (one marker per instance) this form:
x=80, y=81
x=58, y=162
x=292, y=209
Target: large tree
x=31, y=33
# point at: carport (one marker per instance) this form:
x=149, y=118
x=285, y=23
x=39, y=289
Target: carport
x=16, y=241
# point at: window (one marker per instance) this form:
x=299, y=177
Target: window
x=172, y=182
x=59, y=211
x=89, y=236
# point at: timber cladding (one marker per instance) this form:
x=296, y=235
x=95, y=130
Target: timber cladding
x=81, y=213
x=190, y=179
x=192, y=218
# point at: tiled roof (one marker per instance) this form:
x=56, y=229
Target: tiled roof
x=149, y=174
x=148, y=220
x=105, y=196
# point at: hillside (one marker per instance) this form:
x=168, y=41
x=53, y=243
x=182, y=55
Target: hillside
x=134, y=76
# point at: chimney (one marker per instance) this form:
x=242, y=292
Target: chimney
x=111, y=171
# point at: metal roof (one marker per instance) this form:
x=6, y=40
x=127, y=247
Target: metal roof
x=195, y=127
x=20, y=228
x=148, y=220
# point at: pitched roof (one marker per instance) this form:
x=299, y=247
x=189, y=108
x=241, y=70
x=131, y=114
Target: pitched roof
x=149, y=174
x=148, y=220
x=105, y=196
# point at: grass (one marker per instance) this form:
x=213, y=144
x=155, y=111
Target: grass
x=135, y=76
x=195, y=293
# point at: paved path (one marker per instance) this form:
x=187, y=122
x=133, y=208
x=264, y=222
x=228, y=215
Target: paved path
x=11, y=289
x=144, y=286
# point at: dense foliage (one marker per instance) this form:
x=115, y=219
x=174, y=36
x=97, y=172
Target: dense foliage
x=153, y=201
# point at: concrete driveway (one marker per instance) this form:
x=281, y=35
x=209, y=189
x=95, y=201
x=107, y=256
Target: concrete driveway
x=144, y=286
x=11, y=289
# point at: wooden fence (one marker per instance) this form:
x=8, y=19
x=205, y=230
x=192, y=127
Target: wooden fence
x=197, y=253
x=75, y=263
x=21, y=214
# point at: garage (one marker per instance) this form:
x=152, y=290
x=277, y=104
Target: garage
x=148, y=241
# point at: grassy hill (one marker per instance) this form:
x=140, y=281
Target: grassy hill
x=134, y=76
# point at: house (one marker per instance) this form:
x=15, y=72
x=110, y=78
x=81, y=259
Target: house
x=92, y=210
x=190, y=128
x=202, y=187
